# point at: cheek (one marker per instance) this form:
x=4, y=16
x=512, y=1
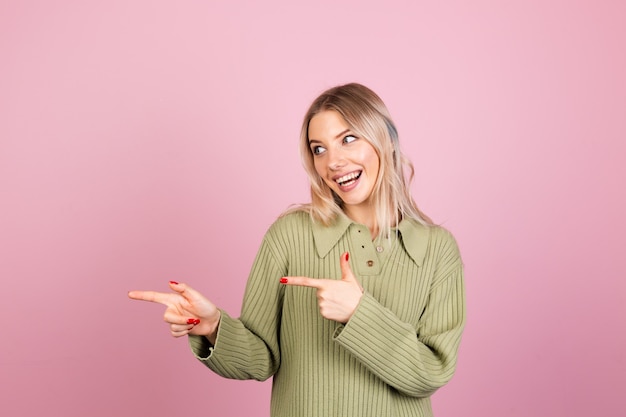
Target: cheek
x=377, y=165
x=317, y=164
x=373, y=163
x=320, y=169
x=369, y=158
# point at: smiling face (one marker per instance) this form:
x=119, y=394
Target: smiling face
x=348, y=164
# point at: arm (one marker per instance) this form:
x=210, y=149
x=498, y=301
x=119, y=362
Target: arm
x=247, y=348
x=415, y=361
x=415, y=357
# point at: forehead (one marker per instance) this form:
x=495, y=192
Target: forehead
x=327, y=124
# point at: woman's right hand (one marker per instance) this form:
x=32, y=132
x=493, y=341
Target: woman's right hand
x=187, y=312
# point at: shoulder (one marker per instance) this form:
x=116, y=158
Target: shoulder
x=428, y=243
x=289, y=224
x=444, y=249
x=441, y=236
x=292, y=218
x=289, y=236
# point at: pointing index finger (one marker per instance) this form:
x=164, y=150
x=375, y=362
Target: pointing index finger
x=303, y=282
x=152, y=296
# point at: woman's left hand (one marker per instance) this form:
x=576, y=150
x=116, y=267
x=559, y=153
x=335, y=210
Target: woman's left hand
x=337, y=299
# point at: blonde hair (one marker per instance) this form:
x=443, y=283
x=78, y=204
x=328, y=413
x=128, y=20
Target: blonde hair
x=368, y=118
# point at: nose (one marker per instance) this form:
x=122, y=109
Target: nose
x=336, y=159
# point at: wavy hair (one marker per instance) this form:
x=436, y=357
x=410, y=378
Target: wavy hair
x=368, y=117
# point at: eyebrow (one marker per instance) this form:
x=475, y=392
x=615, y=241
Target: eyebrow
x=336, y=137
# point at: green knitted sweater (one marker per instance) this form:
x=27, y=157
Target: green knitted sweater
x=399, y=346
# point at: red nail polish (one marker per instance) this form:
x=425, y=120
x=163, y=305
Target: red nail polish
x=196, y=321
x=347, y=256
x=283, y=280
x=174, y=282
x=191, y=321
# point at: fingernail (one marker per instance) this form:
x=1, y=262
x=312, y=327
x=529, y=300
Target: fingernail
x=193, y=321
x=283, y=280
x=196, y=322
x=347, y=256
x=174, y=282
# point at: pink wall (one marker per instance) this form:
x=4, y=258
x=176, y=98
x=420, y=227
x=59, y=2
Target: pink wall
x=143, y=141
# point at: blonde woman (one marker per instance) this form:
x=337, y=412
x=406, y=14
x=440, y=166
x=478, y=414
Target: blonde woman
x=355, y=302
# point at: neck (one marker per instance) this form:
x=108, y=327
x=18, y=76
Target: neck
x=364, y=216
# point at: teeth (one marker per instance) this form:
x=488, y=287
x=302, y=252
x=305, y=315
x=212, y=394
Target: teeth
x=348, y=177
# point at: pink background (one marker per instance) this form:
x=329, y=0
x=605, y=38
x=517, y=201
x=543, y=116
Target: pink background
x=149, y=140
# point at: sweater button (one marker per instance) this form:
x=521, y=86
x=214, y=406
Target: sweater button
x=370, y=263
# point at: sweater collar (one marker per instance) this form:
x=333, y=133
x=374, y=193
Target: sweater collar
x=413, y=235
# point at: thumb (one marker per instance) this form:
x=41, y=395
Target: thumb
x=183, y=289
x=191, y=295
x=346, y=271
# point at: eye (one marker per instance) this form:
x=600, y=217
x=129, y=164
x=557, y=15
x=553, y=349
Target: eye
x=349, y=139
x=318, y=150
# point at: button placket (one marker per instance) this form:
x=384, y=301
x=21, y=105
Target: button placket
x=366, y=258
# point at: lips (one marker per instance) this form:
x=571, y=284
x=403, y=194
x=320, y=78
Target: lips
x=348, y=179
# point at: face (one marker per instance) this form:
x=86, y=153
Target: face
x=347, y=163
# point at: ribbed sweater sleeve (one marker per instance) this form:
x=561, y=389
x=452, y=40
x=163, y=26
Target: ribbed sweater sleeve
x=248, y=348
x=414, y=361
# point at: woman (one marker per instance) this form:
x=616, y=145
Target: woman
x=355, y=302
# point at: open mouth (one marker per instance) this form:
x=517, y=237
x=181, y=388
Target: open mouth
x=348, y=179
